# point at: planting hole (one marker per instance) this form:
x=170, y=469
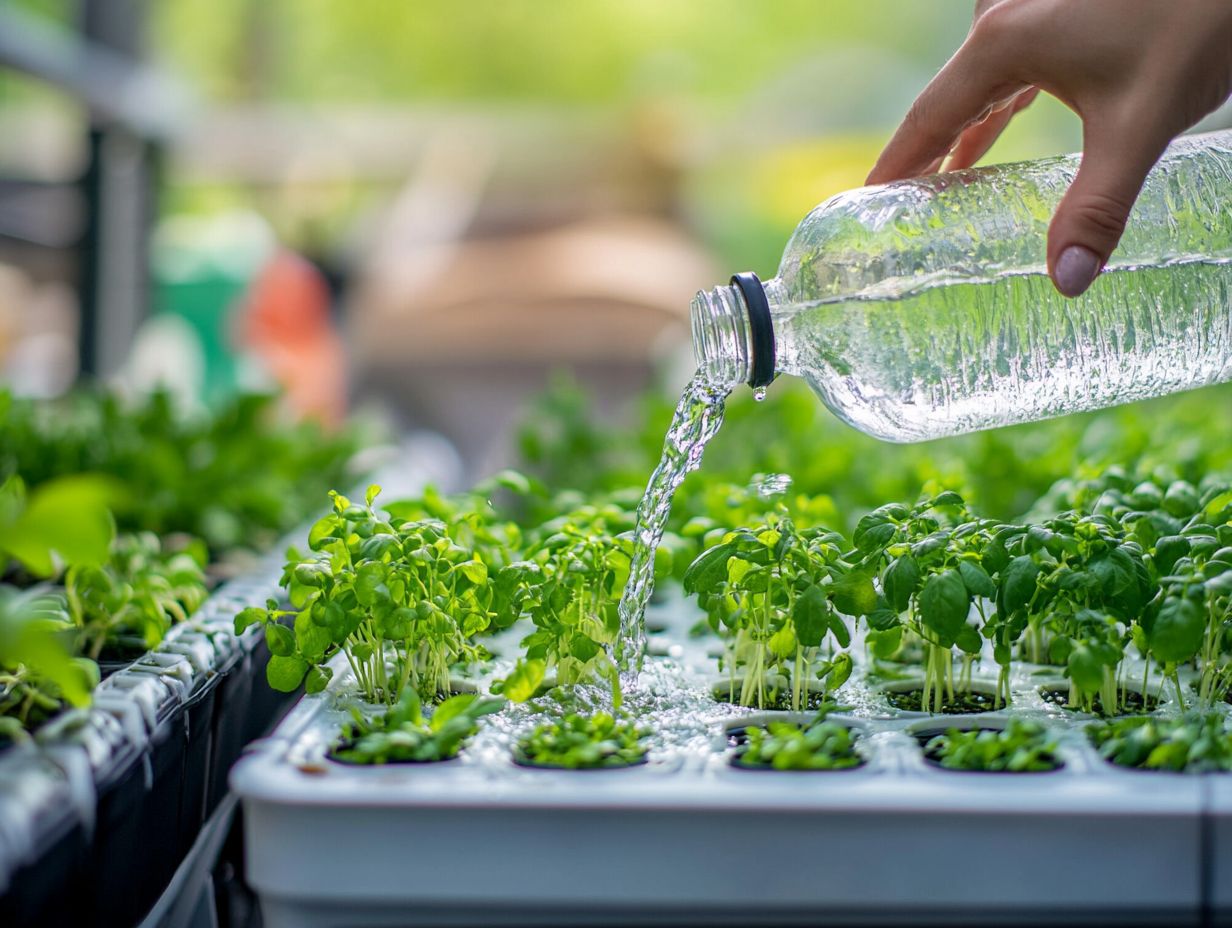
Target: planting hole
x=1132, y=702
x=967, y=703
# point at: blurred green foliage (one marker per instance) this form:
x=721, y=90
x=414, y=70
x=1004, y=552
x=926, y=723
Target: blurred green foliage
x=237, y=477
x=599, y=50
x=1000, y=472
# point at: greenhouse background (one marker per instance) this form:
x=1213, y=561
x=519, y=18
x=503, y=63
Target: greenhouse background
x=338, y=342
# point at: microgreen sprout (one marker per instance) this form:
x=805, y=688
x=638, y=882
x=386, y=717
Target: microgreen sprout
x=1191, y=743
x=141, y=591
x=575, y=571
x=402, y=735
x=580, y=742
x=1023, y=746
x=936, y=565
x=777, y=595
x=819, y=745
x=39, y=674
x=400, y=598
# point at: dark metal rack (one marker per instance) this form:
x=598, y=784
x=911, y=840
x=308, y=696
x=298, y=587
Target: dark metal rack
x=132, y=110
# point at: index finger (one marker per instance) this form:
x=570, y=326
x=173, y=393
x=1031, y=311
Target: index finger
x=963, y=92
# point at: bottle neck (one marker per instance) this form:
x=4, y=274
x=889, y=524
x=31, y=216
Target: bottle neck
x=733, y=341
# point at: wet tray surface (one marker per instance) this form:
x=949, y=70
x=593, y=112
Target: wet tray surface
x=693, y=840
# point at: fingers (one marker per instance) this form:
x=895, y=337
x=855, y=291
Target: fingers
x=975, y=142
x=970, y=85
x=1091, y=217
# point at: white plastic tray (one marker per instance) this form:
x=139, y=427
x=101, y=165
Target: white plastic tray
x=688, y=839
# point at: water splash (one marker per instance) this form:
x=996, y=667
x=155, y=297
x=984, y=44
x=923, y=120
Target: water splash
x=696, y=420
x=770, y=486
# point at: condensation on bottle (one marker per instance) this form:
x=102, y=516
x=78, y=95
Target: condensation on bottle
x=923, y=308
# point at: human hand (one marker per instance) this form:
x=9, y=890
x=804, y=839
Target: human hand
x=1137, y=72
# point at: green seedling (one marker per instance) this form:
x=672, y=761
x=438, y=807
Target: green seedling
x=821, y=745
x=1193, y=743
x=401, y=599
x=936, y=565
x=238, y=477
x=576, y=567
x=580, y=742
x=402, y=735
x=1021, y=747
x=141, y=591
x=39, y=674
x=777, y=596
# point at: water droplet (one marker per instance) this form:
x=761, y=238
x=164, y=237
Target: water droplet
x=759, y=394
x=769, y=486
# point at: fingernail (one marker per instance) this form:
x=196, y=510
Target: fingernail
x=1076, y=268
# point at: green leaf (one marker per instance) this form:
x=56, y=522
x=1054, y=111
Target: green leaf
x=1178, y=630
x=1214, y=510
x=900, y=580
x=976, y=579
x=854, y=593
x=371, y=495
x=842, y=634
x=325, y=527
x=968, y=639
x=1115, y=571
x=318, y=679
x=1084, y=667
x=782, y=643
x=1018, y=582
x=886, y=642
x=524, y=680
x=930, y=544
x=451, y=708
x=42, y=649
x=311, y=640
x=378, y=546
x=286, y=673
x=1169, y=550
x=883, y=617
x=873, y=532
x=67, y=518
x=253, y=615
x=475, y=623
x=810, y=615
x=709, y=569
x=840, y=671
x=584, y=648
x=398, y=624
x=737, y=570
x=995, y=557
x=370, y=584
x=281, y=640
x=1181, y=499
x=944, y=604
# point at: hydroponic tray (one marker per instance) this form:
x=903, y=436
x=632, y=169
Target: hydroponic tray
x=689, y=839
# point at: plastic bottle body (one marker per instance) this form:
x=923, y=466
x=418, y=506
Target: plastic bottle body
x=923, y=308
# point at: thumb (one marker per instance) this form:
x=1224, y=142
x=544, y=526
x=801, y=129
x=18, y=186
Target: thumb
x=1091, y=216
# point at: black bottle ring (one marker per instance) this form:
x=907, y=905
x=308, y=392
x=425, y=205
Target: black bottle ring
x=761, y=329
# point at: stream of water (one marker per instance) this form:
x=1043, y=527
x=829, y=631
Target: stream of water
x=696, y=420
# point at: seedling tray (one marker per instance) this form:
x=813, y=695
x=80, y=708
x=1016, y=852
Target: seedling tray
x=689, y=839
x=42, y=841
x=110, y=803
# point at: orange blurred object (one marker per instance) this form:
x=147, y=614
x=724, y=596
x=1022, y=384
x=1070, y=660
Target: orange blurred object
x=285, y=323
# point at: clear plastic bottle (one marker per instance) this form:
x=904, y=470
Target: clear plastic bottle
x=923, y=308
